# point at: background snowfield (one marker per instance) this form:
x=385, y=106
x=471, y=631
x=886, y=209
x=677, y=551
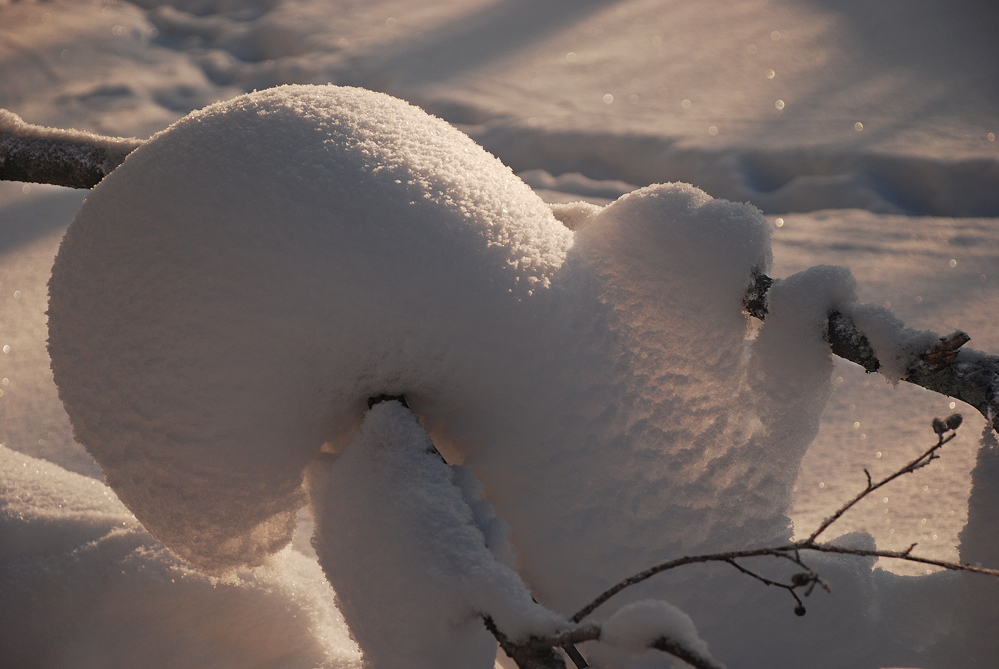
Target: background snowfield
x=864, y=131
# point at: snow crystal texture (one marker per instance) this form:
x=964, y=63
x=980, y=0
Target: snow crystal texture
x=227, y=300
x=422, y=569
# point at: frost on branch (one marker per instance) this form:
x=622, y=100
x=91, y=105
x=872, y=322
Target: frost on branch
x=401, y=547
x=71, y=158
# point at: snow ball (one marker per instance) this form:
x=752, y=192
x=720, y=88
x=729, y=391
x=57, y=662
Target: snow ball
x=227, y=299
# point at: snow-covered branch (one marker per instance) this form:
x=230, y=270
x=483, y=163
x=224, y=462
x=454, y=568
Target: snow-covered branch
x=72, y=158
x=945, y=368
x=81, y=159
x=640, y=626
x=809, y=578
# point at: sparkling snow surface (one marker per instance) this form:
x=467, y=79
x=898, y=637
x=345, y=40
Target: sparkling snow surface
x=862, y=131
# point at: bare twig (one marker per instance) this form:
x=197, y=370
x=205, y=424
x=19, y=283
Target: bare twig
x=920, y=462
x=766, y=581
x=792, y=552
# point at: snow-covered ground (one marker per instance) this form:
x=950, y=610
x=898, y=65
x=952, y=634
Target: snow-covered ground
x=864, y=131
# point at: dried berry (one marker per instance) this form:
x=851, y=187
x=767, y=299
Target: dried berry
x=939, y=426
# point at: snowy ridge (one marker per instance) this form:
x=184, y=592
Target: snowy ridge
x=778, y=181
x=91, y=583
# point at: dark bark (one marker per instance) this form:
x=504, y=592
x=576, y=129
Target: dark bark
x=70, y=158
x=967, y=375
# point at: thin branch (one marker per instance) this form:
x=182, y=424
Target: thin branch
x=920, y=462
x=574, y=655
x=904, y=555
x=673, y=564
x=70, y=158
x=676, y=649
x=792, y=551
x=766, y=581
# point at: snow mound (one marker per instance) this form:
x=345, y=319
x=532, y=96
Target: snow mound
x=225, y=301
x=415, y=584
x=84, y=585
x=635, y=627
x=228, y=299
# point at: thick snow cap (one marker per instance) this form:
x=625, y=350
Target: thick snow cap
x=226, y=300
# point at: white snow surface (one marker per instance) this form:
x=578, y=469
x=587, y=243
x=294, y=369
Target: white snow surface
x=80, y=571
x=592, y=97
x=402, y=548
x=359, y=246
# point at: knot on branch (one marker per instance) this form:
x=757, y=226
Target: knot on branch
x=943, y=354
x=754, y=302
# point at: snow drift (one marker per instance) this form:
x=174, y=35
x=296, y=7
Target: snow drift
x=87, y=586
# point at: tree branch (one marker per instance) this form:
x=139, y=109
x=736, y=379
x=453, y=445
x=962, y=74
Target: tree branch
x=527, y=653
x=967, y=375
x=675, y=649
x=81, y=159
x=70, y=158
x=920, y=462
x=809, y=578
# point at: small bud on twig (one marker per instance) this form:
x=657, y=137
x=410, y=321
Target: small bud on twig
x=802, y=578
